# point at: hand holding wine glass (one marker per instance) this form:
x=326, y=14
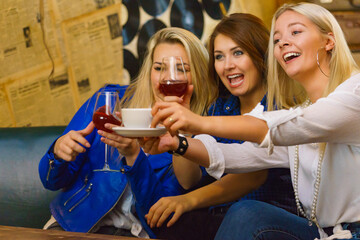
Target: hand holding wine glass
x=106, y=105
x=173, y=76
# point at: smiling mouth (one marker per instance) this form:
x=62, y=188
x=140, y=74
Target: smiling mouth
x=236, y=79
x=290, y=56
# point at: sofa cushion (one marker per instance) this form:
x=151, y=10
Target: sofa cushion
x=23, y=199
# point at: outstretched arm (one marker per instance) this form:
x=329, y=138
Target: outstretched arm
x=187, y=172
x=175, y=117
x=196, y=151
x=218, y=157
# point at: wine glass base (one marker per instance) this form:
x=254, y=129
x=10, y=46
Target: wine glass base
x=106, y=168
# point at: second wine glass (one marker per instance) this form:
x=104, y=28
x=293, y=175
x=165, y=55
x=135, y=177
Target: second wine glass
x=173, y=76
x=107, y=103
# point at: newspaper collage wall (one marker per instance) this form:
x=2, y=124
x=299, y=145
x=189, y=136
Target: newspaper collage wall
x=55, y=54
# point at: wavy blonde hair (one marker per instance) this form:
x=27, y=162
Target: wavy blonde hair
x=284, y=92
x=140, y=94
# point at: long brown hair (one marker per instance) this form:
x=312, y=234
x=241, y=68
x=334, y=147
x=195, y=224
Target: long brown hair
x=250, y=33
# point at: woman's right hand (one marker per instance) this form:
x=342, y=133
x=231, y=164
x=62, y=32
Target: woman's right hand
x=158, y=145
x=68, y=146
x=165, y=206
x=176, y=117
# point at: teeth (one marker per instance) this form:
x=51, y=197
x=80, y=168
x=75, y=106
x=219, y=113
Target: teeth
x=234, y=76
x=290, y=55
x=236, y=79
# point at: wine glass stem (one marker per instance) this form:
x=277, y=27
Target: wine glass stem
x=106, y=165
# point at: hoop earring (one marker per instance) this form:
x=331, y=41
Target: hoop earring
x=318, y=63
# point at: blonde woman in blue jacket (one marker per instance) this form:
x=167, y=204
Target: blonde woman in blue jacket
x=115, y=202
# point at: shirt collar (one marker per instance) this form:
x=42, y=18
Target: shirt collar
x=232, y=104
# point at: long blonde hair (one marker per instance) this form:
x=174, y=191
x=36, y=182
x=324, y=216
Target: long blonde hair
x=284, y=92
x=140, y=94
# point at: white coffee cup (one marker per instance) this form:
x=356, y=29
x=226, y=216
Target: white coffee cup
x=136, y=117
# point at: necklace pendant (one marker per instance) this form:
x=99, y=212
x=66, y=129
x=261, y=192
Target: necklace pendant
x=310, y=223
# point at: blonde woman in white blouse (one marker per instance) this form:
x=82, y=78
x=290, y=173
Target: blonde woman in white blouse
x=315, y=81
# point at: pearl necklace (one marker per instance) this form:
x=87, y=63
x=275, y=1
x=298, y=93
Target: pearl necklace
x=312, y=218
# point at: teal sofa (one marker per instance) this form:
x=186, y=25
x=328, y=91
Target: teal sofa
x=24, y=202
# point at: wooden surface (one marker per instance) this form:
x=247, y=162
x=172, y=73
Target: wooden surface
x=20, y=233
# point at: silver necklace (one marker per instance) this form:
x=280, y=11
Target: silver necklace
x=312, y=218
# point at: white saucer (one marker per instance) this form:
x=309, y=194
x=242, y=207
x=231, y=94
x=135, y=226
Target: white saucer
x=139, y=132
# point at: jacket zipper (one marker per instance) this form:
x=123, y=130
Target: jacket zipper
x=88, y=190
x=51, y=166
x=109, y=210
x=85, y=183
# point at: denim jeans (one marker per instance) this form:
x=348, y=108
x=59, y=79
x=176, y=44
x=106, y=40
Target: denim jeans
x=258, y=220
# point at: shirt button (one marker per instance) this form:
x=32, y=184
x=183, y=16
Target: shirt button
x=227, y=108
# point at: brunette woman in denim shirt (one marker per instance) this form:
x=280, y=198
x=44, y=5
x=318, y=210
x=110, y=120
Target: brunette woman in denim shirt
x=237, y=49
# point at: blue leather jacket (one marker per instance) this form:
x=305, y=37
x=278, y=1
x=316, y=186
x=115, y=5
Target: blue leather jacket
x=88, y=195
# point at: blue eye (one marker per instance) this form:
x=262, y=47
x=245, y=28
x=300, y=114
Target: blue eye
x=218, y=56
x=238, y=53
x=296, y=32
x=276, y=41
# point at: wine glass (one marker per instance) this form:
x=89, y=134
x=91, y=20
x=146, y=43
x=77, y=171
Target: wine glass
x=173, y=79
x=107, y=103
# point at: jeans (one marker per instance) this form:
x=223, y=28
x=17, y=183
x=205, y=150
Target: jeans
x=259, y=221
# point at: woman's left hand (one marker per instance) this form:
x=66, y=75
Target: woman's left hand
x=128, y=147
x=164, y=207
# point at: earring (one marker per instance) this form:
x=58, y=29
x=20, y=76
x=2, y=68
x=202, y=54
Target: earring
x=318, y=63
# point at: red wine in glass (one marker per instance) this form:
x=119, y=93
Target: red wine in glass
x=173, y=76
x=173, y=88
x=100, y=118
x=107, y=102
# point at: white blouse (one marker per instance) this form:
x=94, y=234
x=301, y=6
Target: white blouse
x=334, y=120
